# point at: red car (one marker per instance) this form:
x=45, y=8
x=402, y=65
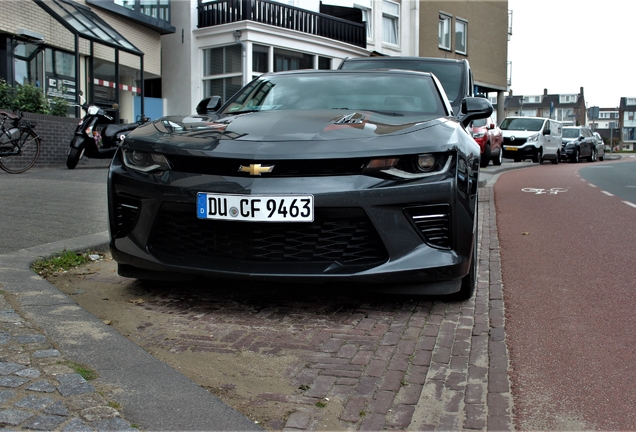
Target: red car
x=490, y=140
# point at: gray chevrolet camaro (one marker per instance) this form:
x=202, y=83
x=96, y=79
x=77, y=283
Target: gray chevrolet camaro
x=321, y=176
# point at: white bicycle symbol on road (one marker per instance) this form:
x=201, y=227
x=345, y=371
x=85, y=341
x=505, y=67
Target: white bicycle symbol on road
x=552, y=191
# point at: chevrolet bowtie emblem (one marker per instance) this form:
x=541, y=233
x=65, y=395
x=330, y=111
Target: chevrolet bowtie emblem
x=256, y=169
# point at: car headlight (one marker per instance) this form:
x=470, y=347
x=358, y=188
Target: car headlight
x=533, y=138
x=479, y=135
x=409, y=167
x=145, y=161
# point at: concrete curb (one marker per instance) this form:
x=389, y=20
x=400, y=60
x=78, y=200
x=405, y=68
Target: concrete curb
x=153, y=395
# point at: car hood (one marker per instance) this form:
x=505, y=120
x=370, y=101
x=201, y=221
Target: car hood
x=284, y=132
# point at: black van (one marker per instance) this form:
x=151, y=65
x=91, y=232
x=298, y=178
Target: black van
x=455, y=75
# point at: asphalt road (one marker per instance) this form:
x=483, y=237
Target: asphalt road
x=570, y=292
x=618, y=179
x=54, y=204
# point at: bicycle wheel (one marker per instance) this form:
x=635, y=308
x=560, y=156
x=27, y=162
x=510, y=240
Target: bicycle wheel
x=28, y=151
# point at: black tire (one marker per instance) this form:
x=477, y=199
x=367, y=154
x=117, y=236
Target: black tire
x=601, y=158
x=536, y=158
x=29, y=150
x=485, y=158
x=469, y=282
x=499, y=158
x=592, y=156
x=575, y=156
x=74, y=155
x=557, y=159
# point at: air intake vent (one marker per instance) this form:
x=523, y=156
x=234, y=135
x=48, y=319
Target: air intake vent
x=433, y=222
x=355, y=118
x=126, y=210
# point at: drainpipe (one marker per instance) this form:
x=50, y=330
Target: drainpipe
x=237, y=39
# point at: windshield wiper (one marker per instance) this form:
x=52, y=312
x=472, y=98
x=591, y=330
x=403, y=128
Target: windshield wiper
x=244, y=111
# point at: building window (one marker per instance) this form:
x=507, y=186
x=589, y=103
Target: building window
x=260, y=58
x=568, y=98
x=564, y=114
x=443, y=33
x=222, y=71
x=291, y=60
x=390, y=22
x=531, y=99
x=324, y=63
x=460, y=36
x=367, y=17
x=159, y=9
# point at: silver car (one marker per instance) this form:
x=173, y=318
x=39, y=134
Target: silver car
x=600, y=146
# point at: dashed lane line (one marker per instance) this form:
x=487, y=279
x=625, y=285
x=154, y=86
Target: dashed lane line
x=607, y=193
x=631, y=204
x=591, y=185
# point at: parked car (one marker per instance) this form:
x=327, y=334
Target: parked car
x=331, y=175
x=600, y=146
x=578, y=142
x=533, y=138
x=490, y=139
x=455, y=75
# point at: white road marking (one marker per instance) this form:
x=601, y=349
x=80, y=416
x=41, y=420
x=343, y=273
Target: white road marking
x=590, y=184
x=607, y=193
x=631, y=204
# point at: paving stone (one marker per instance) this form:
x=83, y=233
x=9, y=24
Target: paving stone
x=114, y=424
x=77, y=425
x=11, y=381
x=34, y=402
x=7, y=368
x=41, y=386
x=13, y=417
x=32, y=338
x=46, y=353
x=58, y=409
x=5, y=395
x=298, y=420
x=28, y=373
x=44, y=423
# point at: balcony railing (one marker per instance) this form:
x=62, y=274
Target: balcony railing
x=218, y=12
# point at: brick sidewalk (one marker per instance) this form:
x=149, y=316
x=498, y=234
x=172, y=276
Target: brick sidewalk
x=414, y=364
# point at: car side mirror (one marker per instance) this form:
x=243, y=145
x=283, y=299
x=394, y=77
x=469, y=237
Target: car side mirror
x=474, y=108
x=209, y=104
x=581, y=137
x=546, y=131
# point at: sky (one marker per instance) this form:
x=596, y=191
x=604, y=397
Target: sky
x=563, y=45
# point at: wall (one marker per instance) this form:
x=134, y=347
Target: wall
x=56, y=134
x=487, y=37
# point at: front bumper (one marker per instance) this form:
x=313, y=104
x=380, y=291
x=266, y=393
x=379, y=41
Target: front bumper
x=525, y=151
x=366, y=229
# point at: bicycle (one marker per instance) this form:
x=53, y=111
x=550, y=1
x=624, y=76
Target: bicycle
x=19, y=143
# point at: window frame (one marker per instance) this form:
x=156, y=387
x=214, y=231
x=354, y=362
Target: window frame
x=394, y=18
x=444, y=18
x=465, y=41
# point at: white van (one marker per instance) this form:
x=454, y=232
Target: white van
x=533, y=138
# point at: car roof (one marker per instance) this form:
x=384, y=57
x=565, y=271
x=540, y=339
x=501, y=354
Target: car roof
x=345, y=71
x=401, y=58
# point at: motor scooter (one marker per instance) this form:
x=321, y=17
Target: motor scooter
x=96, y=136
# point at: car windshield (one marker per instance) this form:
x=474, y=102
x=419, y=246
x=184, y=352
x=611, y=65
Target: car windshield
x=381, y=92
x=571, y=133
x=522, y=124
x=479, y=123
x=449, y=74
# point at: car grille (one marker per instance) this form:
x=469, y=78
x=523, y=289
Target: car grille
x=433, y=222
x=282, y=168
x=126, y=211
x=343, y=236
x=516, y=142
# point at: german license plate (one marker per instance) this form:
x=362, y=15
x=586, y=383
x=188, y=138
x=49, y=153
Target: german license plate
x=257, y=208
x=511, y=148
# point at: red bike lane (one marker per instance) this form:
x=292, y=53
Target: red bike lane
x=569, y=276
